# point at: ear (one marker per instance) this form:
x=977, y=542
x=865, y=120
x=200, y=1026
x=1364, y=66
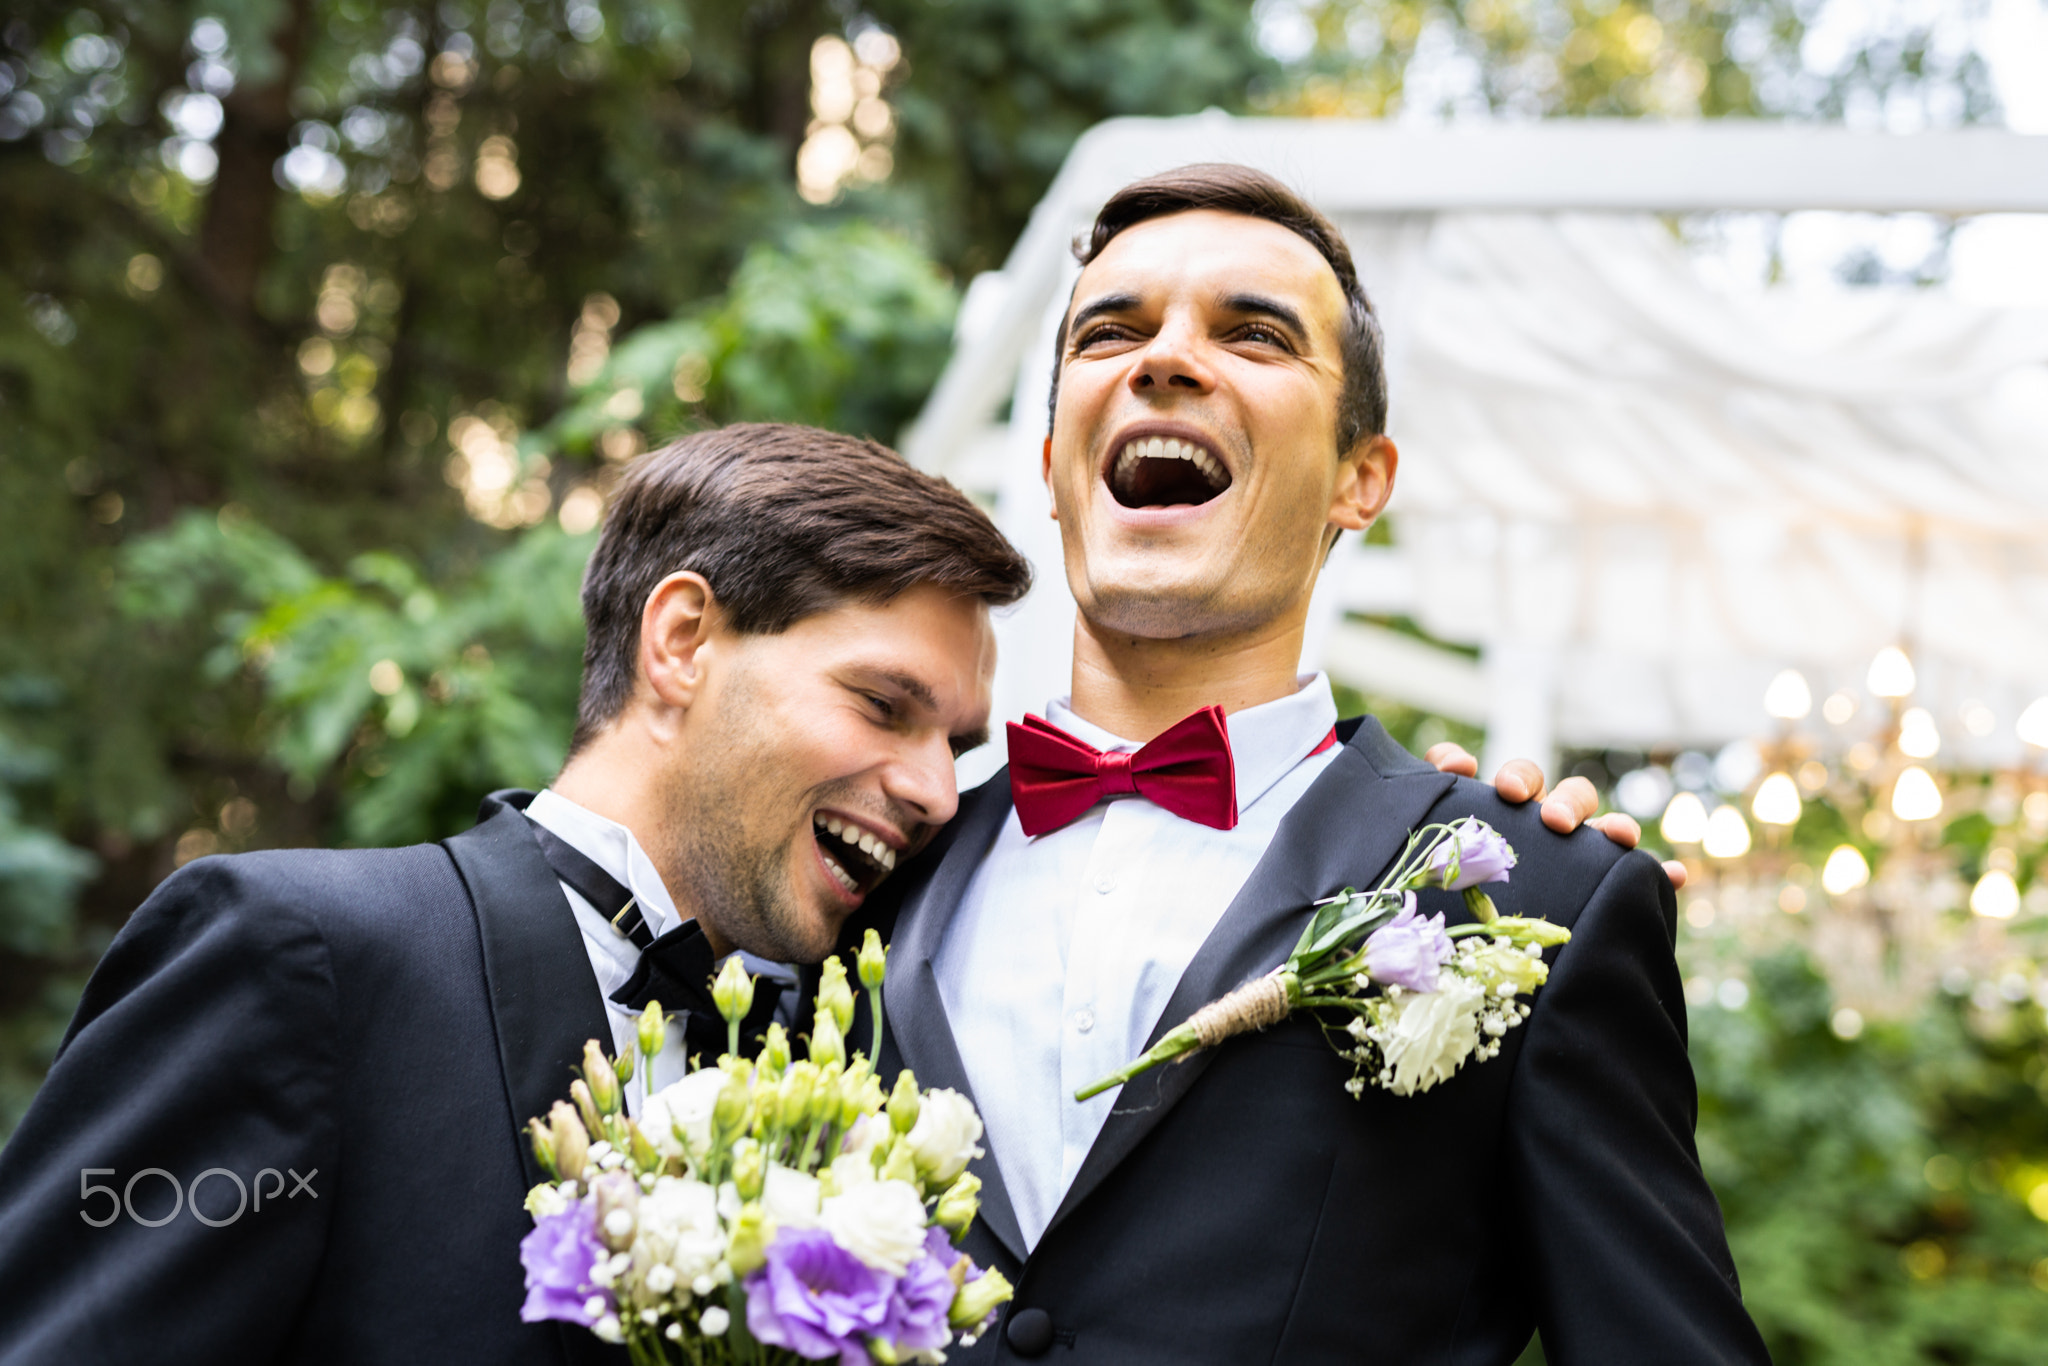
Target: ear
x=675, y=626
x=1045, y=473
x=1365, y=480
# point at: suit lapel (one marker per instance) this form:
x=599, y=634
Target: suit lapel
x=915, y=1012
x=544, y=1000
x=1345, y=831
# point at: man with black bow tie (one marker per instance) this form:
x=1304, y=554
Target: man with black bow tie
x=788, y=644
x=1218, y=419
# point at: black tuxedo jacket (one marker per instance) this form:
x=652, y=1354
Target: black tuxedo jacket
x=378, y=1022
x=1239, y=1207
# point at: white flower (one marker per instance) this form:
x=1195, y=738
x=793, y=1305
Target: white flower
x=881, y=1222
x=608, y=1328
x=790, y=1197
x=660, y=1279
x=679, y=1231
x=544, y=1200
x=714, y=1321
x=946, y=1137
x=685, y=1105
x=1430, y=1033
x=852, y=1169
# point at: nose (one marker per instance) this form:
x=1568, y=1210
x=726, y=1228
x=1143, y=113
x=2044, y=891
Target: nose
x=922, y=779
x=1173, y=359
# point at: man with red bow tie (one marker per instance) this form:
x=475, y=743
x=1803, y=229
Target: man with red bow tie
x=1218, y=419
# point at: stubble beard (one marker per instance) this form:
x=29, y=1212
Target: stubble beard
x=738, y=880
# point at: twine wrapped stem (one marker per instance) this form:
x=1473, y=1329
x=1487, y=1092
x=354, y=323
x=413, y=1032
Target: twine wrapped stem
x=1257, y=1004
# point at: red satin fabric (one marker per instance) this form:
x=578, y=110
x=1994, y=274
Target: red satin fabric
x=1055, y=777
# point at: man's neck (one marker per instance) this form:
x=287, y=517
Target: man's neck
x=614, y=776
x=1136, y=687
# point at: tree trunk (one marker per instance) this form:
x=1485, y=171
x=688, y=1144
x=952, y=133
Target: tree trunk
x=235, y=238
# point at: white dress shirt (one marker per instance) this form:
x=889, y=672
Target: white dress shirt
x=613, y=957
x=1065, y=948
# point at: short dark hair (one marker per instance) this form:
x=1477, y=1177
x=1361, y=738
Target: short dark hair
x=1227, y=188
x=784, y=522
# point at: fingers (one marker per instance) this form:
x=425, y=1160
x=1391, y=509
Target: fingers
x=1675, y=870
x=1566, y=809
x=1520, y=780
x=1620, y=828
x=1448, y=756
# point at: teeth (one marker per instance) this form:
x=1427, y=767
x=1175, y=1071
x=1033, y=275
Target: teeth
x=870, y=844
x=834, y=824
x=887, y=858
x=1170, y=448
x=845, y=878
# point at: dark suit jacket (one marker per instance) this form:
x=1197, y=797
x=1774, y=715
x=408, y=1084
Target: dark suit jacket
x=1239, y=1207
x=381, y=1022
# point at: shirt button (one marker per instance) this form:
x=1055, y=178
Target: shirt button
x=1105, y=884
x=1084, y=1020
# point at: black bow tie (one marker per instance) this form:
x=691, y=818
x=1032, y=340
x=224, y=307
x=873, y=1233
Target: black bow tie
x=675, y=968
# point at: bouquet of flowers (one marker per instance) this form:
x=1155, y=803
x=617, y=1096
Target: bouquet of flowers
x=761, y=1210
x=1421, y=1000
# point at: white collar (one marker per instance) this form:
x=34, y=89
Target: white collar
x=1266, y=741
x=612, y=847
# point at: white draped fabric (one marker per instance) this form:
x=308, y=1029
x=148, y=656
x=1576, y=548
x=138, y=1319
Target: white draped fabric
x=1639, y=495
x=1673, y=493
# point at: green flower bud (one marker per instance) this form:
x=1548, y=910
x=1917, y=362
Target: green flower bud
x=959, y=1205
x=904, y=1102
x=853, y=1087
x=543, y=1140
x=828, y=1043
x=646, y=1157
x=1481, y=906
x=653, y=1031
x=797, y=1085
x=774, y=1059
x=1531, y=930
x=593, y=1119
x=978, y=1298
x=834, y=995
x=900, y=1165
x=730, y=1111
x=602, y=1079
x=623, y=1065
x=571, y=1140
x=749, y=1168
x=733, y=991
x=747, y=1247
x=873, y=960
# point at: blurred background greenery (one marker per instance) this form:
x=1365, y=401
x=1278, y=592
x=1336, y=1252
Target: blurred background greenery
x=325, y=324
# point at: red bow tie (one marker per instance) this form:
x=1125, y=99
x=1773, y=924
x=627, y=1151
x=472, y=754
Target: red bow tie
x=1055, y=777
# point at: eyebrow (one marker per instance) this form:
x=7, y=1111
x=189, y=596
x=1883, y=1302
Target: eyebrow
x=1095, y=308
x=1271, y=308
x=918, y=691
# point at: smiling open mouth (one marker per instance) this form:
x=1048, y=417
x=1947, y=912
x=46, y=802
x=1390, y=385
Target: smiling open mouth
x=857, y=857
x=1157, y=471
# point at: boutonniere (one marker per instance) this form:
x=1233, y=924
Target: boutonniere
x=1422, y=1000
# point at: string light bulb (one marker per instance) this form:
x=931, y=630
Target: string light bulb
x=1777, y=801
x=2032, y=727
x=1891, y=674
x=1727, y=834
x=1919, y=737
x=1996, y=896
x=1685, y=820
x=1914, y=795
x=1788, y=698
x=1845, y=870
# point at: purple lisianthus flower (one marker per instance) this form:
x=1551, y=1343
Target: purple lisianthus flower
x=923, y=1297
x=816, y=1299
x=1481, y=854
x=558, y=1256
x=1408, y=950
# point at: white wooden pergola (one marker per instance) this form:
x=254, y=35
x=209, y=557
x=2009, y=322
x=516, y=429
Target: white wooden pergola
x=1637, y=498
